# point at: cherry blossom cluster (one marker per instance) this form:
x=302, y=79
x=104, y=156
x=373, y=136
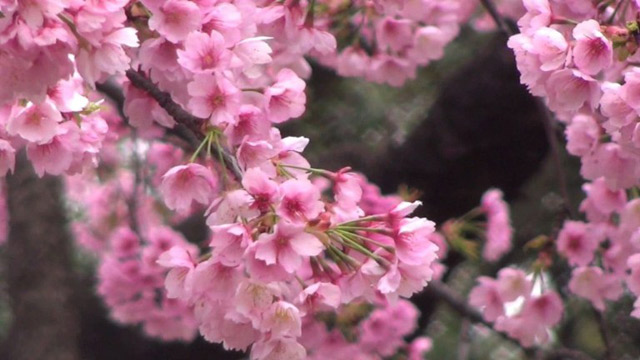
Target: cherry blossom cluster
x=603, y=251
x=386, y=40
x=280, y=252
x=509, y=303
x=50, y=50
x=360, y=332
x=127, y=241
x=581, y=57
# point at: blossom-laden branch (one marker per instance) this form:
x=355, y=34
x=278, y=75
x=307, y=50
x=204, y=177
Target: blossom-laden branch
x=443, y=292
x=182, y=117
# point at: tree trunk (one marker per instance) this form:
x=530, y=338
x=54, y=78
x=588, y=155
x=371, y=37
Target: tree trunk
x=39, y=269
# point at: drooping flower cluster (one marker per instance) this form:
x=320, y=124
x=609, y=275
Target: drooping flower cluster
x=498, y=299
x=385, y=41
x=280, y=252
x=581, y=57
x=50, y=49
x=129, y=240
x=362, y=332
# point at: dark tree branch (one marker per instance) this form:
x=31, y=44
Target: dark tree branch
x=194, y=124
x=114, y=92
x=39, y=267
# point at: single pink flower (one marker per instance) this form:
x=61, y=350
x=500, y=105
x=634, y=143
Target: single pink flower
x=569, y=90
x=394, y=33
x=583, y=134
x=499, y=231
x=175, y=19
x=264, y=190
x=551, y=47
x=204, y=53
x=412, y=240
x=300, y=201
x=592, y=52
x=577, y=242
x=179, y=280
x=286, y=98
x=278, y=349
x=287, y=246
x=512, y=284
x=214, y=97
x=183, y=184
x=282, y=319
x=320, y=296
x=594, y=285
x=486, y=296
x=35, y=123
x=7, y=158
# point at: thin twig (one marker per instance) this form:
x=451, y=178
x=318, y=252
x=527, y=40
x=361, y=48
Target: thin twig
x=464, y=340
x=133, y=199
x=604, y=331
x=566, y=354
x=549, y=128
x=497, y=18
x=114, y=92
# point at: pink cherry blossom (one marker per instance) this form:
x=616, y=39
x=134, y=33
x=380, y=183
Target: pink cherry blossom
x=320, y=296
x=592, y=51
x=35, y=123
x=499, y=229
x=286, y=98
x=277, y=349
x=175, y=19
x=300, y=201
x=512, y=284
x=179, y=281
x=287, y=246
x=183, y=184
x=264, y=190
x=214, y=97
x=486, y=296
x=551, y=47
x=204, y=53
x=7, y=157
x=594, y=285
x=577, y=242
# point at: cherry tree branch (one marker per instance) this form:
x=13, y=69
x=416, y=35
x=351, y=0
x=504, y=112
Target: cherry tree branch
x=190, y=126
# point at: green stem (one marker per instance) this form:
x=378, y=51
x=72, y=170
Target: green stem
x=200, y=147
x=366, y=229
x=377, y=217
x=388, y=248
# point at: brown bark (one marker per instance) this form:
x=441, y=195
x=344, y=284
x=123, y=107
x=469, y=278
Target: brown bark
x=39, y=270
